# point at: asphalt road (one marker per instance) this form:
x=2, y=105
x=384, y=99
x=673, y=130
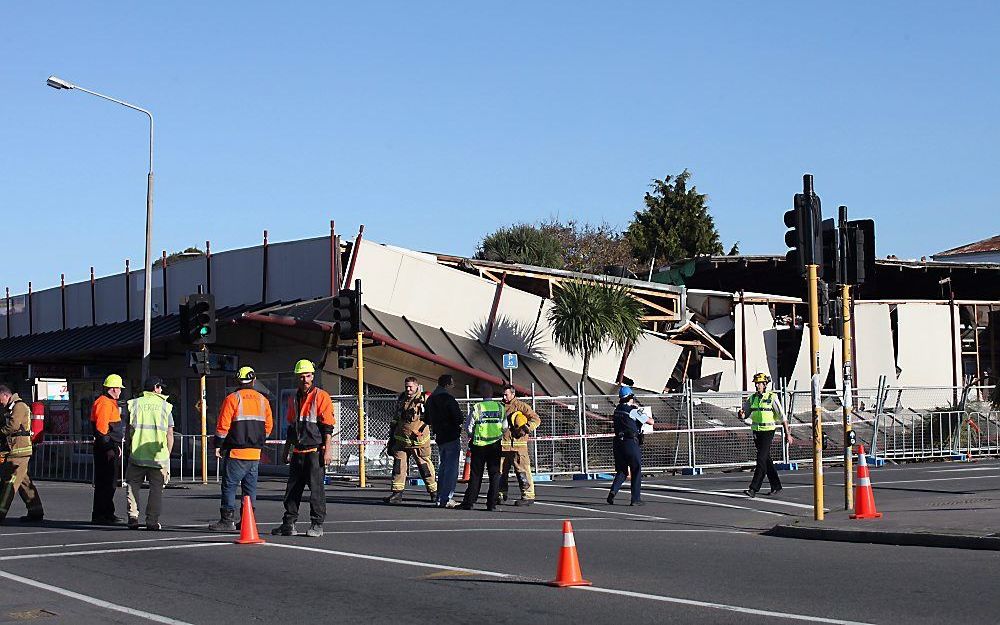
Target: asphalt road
x=694, y=554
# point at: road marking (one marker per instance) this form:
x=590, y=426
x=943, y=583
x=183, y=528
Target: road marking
x=966, y=469
x=518, y=519
x=592, y=530
x=565, y=505
x=626, y=593
x=114, y=542
x=876, y=484
x=107, y=605
x=718, y=493
x=44, y=532
x=718, y=606
x=713, y=503
x=91, y=552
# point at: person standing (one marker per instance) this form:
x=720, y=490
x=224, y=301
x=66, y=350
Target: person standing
x=106, y=419
x=628, y=421
x=763, y=407
x=244, y=423
x=307, y=451
x=151, y=439
x=514, y=446
x=446, y=421
x=15, y=448
x=485, y=427
x=411, y=438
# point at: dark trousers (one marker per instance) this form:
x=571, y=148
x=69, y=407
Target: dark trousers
x=105, y=482
x=628, y=457
x=762, y=441
x=487, y=456
x=303, y=470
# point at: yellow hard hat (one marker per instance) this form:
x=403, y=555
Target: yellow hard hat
x=245, y=374
x=113, y=381
x=304, y=366
x=518, y=419
x=761, y=377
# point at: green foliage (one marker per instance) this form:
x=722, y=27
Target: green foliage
x=191, y=251
x=675, y=223
x=524, y=244
x=590, y=248
x=588, y=316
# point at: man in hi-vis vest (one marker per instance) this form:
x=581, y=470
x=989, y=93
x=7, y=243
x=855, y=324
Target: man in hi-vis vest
x=486, y=425
x=151, y=438
x=764, y=409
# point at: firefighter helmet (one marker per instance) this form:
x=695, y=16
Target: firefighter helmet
x=759, y=378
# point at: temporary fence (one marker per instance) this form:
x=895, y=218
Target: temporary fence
x=693, y=430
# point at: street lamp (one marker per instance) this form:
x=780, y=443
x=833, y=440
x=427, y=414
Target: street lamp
x=59, y=83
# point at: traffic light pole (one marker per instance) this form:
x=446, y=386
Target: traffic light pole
x=204, y=425
x=847, y=399
x=812, y=272
x=361, y=415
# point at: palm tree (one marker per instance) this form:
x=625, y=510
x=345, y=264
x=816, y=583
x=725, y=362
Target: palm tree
x=589, y=315
x=524, y=244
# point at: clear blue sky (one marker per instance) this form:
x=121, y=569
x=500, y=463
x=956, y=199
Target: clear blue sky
x=433, y=123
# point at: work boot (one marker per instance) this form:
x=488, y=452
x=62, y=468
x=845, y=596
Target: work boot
x=225, y=522
x=133, y=522
x=750, y=493
x=315, y=530
x=394, y=497
x=501, y=498
x=285, y=529
x=774, y=492
x=106, y=520
x=611, y=499
x=32, y=517
x=434, y=496
x=153, y=527
x=520, y=503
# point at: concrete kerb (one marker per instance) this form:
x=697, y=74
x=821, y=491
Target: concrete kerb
x=909, y=537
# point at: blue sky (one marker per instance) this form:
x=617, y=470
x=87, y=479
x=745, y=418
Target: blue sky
x=433, y=123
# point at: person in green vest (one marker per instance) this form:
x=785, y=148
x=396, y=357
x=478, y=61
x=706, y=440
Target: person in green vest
x=764, y=409
x=485, y=426
x=151, y=438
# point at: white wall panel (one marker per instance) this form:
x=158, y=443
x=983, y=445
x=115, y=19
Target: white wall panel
x=875, y=355
x=925, y=345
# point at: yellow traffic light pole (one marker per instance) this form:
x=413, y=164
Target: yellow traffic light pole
x=813, y=278
x=361, y=414
x=847, y=399
x=204, y=426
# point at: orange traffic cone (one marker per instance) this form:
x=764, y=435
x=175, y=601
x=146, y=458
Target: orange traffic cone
x=864, y=498
x=467, y=468
x=248, y=525
x=568, y=572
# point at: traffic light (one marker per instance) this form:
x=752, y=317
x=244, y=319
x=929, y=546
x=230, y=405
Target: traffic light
x=823, y=304
x=200, y=363
x=831, y=269
x=859, y=251
x=197, y=317
x=347, y=312
x=345, y=357
x=805, y=239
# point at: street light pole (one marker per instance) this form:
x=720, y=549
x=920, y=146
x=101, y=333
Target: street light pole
x=147, y=317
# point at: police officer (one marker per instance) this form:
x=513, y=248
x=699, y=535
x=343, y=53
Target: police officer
x=485, y=426
x=763, y=406
x=628, y=421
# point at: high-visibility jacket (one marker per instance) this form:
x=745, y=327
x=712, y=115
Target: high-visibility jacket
x=512, y=440
x=243, y=424
x=15, y=428
x=311, y=417
x=150, y=420
x=487, y=422
x=106, y=416
x=409, y=428
x=762, y=411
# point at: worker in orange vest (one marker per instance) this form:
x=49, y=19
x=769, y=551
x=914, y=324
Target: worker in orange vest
x=106, y=418
x=243, y=425
x=307, y=451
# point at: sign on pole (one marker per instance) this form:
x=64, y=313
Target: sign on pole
x=510, y=363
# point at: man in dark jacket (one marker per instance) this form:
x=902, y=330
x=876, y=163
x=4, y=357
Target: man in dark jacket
x=446, y=420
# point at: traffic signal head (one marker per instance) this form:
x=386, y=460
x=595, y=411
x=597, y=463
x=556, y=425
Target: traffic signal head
x=198, y=319
x=345, y=357
x=860, y=251
x=805, y=239
x=347, y=313
x=831, y=268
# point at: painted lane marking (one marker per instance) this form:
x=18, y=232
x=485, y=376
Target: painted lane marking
x=45, y=532
x=713, y=503
x=116, y=542
x=91, y=552
x=518, y=519
x=965, y=469
x=699, y=491
x=630, y=514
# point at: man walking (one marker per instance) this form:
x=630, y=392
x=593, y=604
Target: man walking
x=151, y=438
x=514, y=446
x=106, y=419
x=307, y=451
x=485, y=427
x=15, y=451
x=763, y=406
x=411, y=438
x=243, y=426
x=446, y=420
x=628, y=420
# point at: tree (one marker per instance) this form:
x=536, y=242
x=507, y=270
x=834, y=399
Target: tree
x=188, y=252
x=589, y=315
x=589, y=248
x=735, y=249
x=524, y=244
x=675, y=223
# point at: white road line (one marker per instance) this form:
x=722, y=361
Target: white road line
x=45, y=532
x=877, y=483
x=965, y=469
x=32, y=556
x=566, y=505
x=116, y=542
x=718, y=606
x=519, y=519
x=626, y=593
x=712, y=503
x=107, y=605
x=593, y=530
x=718, y=493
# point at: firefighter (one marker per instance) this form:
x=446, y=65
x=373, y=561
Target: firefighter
x=307, y=451
x=244, y=423
x=106, y=418
x=763, y=406
x=411, y=437
x=15, y=449
x=514, y=447
x=485, y=427
x=151, y=439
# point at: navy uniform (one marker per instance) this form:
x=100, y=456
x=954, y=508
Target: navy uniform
x=628, y=420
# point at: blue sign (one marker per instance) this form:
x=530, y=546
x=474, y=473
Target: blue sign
x=510, y=361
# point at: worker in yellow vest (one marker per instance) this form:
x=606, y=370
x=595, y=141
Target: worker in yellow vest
x=764, y=409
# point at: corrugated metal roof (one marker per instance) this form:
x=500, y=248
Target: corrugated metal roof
x=991, y=244
x=109, y=337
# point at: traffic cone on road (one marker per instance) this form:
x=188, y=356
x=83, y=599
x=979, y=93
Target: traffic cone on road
x=467, y=468
x=248, y=525
x=568, y=572
x=864, y=498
